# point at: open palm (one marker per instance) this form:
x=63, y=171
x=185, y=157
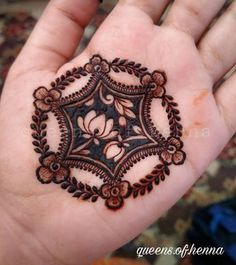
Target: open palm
x=42, y=223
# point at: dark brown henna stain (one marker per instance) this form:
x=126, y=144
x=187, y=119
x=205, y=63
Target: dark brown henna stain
x=106, y=127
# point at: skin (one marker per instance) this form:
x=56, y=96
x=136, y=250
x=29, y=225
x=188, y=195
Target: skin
x=42, y=224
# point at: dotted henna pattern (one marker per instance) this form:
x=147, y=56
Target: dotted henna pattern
x=105, y=128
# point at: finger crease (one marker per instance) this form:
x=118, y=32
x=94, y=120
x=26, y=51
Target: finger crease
x=212, y=57
x=71, y=16
x=191, y=10
x=53, y=50
x=224, y=115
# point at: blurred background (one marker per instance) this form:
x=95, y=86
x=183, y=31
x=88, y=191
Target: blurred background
x=191, y=220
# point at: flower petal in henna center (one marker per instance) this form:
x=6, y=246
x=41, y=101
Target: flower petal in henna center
x=97, y=64
x=96, y=126
x=44, y=98
x=155, y=82
x=173, y=153
x=52, y=170
x=115, y=149
x=115, y=194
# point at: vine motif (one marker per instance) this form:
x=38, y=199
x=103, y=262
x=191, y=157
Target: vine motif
x=62, y=82
x=173, y=115
x=80, y=190
x=145, y=185
x=92, y=193
x=54, y=168
x=39, y=132
x=122, y=65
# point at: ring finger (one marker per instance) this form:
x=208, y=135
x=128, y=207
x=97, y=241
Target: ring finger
x=217, y=48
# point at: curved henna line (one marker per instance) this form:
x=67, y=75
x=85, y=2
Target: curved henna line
x=65, y=133
x=121, y=88
x=105, y=175
x=146, y=113
x=132, y=159
x=160, y=144
x=81, y=94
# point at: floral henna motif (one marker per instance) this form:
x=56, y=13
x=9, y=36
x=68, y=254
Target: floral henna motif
x=97, y=64
x=115, y=149
x=96, y=127
x=173, y=153
x=155, y=82
x=115, y=194
x=52, y=170
x=44, y=98
x=106, y=128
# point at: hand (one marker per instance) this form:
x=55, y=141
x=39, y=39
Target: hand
x=42, y=224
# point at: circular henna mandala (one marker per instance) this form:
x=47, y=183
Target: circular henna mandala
x=106, y=128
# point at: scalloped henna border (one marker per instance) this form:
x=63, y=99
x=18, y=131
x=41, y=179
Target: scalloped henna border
x=113, y=193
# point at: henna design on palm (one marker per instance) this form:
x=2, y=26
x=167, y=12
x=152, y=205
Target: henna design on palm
x=106, y=128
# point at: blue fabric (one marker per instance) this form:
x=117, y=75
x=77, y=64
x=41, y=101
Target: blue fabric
x=226, y=218
x=222, y=216
x=230, y=224
x=231, y=250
